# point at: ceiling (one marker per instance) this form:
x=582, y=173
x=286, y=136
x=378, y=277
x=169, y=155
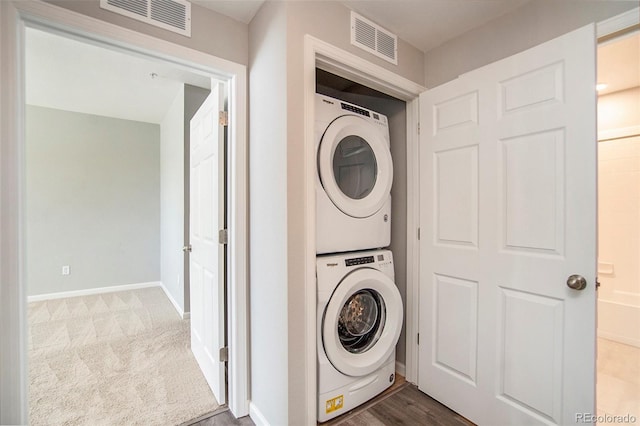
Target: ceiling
x=70, y=75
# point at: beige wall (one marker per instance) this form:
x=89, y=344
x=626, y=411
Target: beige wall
x=619, y=239
x=618, y=216
x=619, y=110
x=211, y=32
x=534, y=23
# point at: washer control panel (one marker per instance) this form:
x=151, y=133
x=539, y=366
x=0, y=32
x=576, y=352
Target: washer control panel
x=359, y=261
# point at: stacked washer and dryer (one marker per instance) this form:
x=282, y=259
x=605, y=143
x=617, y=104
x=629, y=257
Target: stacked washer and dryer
x=359, y=312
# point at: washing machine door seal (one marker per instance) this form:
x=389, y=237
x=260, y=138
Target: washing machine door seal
x=348, y=317
x=355, y=166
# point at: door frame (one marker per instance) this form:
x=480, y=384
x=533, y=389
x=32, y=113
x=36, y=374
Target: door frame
x=14, y=18
x=320, y=54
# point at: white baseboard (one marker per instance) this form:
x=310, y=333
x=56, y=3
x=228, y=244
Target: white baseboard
x=91, y=291
x=624, y=132
x=257, y=416
x=618, y=321
x=183, y=314
x=401, y=369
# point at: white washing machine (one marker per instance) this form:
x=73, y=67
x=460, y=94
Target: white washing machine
x=355, y=173
x=359, y=318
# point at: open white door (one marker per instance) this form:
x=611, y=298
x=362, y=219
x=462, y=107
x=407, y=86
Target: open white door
x=207, y=268
x=508, y=213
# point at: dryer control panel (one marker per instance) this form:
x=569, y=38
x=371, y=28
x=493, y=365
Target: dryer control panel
x=375, y=116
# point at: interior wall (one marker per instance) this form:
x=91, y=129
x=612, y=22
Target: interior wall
x=619, y=216
x=534, y=23
x=211, y=32
x=396, y=113
x=193, y=98
x=268, y=221
x=330, y=22
x=278, y=261
x=619, y=110
x=171, y=201
x=619, y=239
x=92, y=196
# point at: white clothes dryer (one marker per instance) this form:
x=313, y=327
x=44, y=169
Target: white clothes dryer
x=355, y=173
x=359, y=318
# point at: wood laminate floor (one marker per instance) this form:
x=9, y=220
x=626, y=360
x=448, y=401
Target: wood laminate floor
x=222, y=417
x=405, y=405
x=402, y=404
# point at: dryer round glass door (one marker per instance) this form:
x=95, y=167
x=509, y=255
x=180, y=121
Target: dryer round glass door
x=362, y=322
x=355, y=166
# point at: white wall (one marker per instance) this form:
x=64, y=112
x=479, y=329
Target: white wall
x=534, y=23
x=92, y=196
x=172, y=201
x=268, y=216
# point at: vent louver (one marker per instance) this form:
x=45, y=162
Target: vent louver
x=371, y=37
x=172, y=15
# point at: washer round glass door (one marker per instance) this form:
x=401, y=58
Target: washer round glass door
x=362, y=322
x=355, y=166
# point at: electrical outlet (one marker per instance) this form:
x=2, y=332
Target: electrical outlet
x=66, y=270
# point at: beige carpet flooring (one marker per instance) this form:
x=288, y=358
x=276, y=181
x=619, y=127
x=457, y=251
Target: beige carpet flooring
x=113, y=359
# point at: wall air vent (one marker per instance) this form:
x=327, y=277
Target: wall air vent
x=373, y=38
x=172, y=15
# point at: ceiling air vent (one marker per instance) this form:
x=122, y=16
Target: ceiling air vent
x=373, y=38
x=172, y=15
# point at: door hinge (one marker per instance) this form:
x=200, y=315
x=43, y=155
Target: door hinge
x=223, y=118
x=418, y=234
x=224, y=354
x=597, y=283
x=418, y=127
x=223, y=236
x=418, y=339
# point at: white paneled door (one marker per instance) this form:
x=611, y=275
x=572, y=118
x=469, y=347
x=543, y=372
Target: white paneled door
x=207, y=272
x=508, y=214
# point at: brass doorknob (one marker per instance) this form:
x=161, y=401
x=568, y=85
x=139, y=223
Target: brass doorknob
x=576, y=282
